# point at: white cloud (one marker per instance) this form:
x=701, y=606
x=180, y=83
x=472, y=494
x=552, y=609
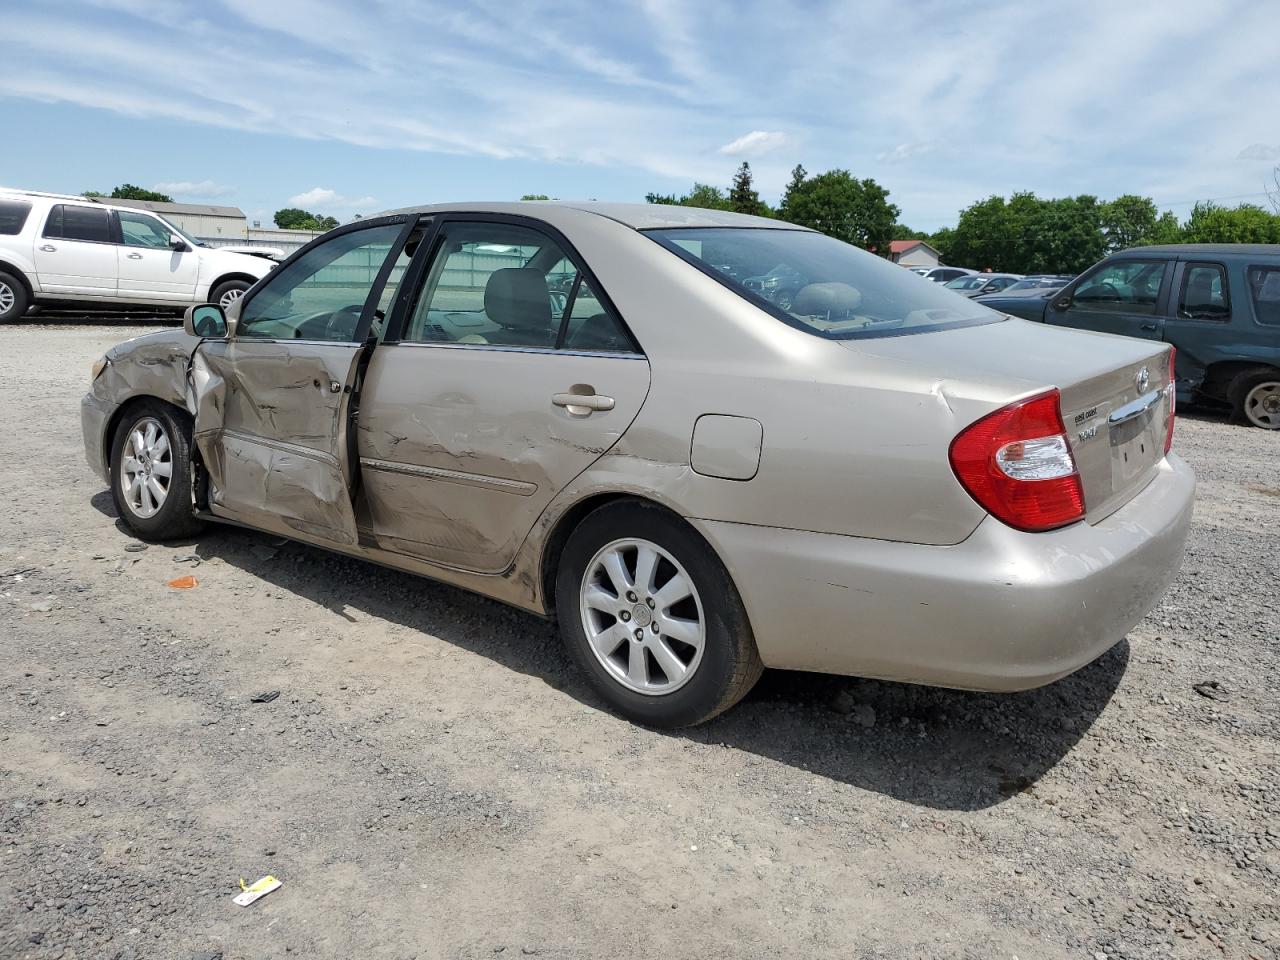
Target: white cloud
x=321, y=199
x=200, y=189
x=1260, y=151
x=905, y=151
x=754, y=143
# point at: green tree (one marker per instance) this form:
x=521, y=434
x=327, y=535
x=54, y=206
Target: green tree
x=670, y=199
x=707, y=196
x=1167, y=229
x=292, y=218
x=1128, y=221
x=129, y=191
x=1029, y=235
x=794, y=186
x=941, y=240
x=535, y=196
x=1247, y=223
x=841, y=206
x=743, y=197
x=902, y=232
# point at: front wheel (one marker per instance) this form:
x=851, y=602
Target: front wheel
x=652, y=618
x=225, y=294
x=1255, y=395
x=151, y=472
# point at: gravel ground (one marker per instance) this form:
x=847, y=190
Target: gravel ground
x=435, y=781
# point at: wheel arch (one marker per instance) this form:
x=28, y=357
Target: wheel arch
x=224, y=278
x=7, y=266
x=118, y=415
x=1219, y=376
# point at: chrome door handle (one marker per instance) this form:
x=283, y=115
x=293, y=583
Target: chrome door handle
x=48, y=248
x=135, y=256
x=581, y=404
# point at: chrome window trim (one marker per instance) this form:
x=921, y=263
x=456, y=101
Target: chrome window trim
x=503, y=348
x=326, y=343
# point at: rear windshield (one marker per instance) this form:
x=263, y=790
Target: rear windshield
x=820, y=285
x=13, y=215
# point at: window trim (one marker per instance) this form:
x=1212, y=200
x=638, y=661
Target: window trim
x=1253, y=301
x=1180, y=299
x=113, y=229
x=363, y=325
x=414, y=281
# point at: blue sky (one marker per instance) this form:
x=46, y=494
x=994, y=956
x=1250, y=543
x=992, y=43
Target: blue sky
x=345, y=107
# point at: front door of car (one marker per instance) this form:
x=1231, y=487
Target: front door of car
x=506, y=372
x=1123, y=296
x=76, y=253
x=149, y=265
x=275, y=400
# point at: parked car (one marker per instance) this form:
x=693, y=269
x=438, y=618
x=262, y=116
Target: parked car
x=884, y=480
x=944, y=274
x=56, y=248
x=977, y=284
x=1029, y=286
x=779, y=285
x=1218, y=304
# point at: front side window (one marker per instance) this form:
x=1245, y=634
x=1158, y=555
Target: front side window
x=1125, y=286
x=821, y=285
x=502, y=284
x=1264, y=288
x=139, y=230
x=321, y=295
x=68, y=222
x=13, y=217
x=1204, y=293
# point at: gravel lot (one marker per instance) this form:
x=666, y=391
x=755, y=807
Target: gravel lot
x=435, y=781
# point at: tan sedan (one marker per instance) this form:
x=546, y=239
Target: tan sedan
x=600, y=413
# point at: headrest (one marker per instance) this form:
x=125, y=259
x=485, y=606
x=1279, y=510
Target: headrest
x=826, y=300
x=517, y=298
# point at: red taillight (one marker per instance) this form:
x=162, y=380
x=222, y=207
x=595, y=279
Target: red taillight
x=1171, y=391
x=1018, y=465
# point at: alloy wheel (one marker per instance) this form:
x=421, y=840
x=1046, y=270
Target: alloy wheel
x=7, y=297
x=1262, y=405
x=642, y=616
x=146, y=468
x=230, y=297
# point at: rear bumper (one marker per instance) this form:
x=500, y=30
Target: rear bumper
x=94, y=414
x=1003, y=610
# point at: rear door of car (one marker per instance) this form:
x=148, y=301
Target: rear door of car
x=1124, y=295
x=275, y=403
x=1204, y=317
x=76, y=251
x=150, y=267
x=492, y=390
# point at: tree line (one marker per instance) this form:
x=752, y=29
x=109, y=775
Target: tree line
x=1021, y=234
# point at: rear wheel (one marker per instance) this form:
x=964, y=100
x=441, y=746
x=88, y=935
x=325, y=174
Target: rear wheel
x=13, y=298
x=652, y=618
x=151, y=472
x=1255, y=396
x=227, y=293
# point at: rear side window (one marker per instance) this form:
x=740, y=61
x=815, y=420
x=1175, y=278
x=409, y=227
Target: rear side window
x=1264, y=288
x=67, y=222
x=13, y=216
x=1204, y=293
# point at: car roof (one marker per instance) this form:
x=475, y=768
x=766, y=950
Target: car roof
x=1200, y=249
x=639, y=216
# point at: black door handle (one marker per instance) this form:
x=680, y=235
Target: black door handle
x=1149, y=326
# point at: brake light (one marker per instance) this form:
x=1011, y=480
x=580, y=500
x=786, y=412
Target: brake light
x=1018, y=465
x=1171, y=394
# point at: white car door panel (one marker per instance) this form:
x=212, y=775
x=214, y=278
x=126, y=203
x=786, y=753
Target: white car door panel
x=149, y=267
x=74, y=254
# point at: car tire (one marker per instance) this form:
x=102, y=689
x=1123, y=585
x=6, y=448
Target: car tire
x=695, y=656
x=13, y=298
x=1254, y=395
x=228, y=292
x=152, y=439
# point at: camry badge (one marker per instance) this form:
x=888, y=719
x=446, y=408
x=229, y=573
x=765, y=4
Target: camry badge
x=1142, y=379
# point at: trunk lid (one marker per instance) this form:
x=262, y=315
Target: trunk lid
x=1116, y=416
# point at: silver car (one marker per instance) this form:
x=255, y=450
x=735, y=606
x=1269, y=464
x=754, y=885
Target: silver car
x=881, y=479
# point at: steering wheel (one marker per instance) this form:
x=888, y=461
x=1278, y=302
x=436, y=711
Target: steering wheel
x=337, y=327
x=1111, y=288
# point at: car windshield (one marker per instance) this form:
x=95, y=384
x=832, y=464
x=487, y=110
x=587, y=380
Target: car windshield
x=821, y=285
x=968, y=283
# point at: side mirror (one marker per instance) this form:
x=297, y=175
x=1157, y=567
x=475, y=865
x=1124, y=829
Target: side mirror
x=1062, y=303
x=205, y=320
x=177, y=243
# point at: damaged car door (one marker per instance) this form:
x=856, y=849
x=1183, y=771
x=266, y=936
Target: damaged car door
x=275, y=399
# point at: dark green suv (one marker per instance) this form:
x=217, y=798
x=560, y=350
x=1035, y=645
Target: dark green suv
x=1218, y=304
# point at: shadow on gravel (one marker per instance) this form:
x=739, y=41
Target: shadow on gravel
x=942, y=749
x=91, y=316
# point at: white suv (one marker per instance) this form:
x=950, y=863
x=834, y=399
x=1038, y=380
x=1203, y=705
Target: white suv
x=55, y=247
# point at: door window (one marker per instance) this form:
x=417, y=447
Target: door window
x=1204, y=293
x=322, y=294
x=68, y=222
x=500, y=284
x=139, y=230
x=1264, y=287
x=1124, y=286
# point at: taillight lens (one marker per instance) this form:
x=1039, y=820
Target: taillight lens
x=1171, y=394
x=1018, y=465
